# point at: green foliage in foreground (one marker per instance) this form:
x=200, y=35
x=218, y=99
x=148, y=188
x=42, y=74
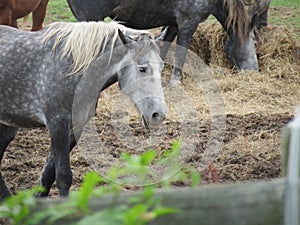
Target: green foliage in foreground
x=137, y=211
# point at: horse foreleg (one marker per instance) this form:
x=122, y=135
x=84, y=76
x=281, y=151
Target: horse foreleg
x=38, y=16
x=7, y=134
x=169, y=38
x=60, y=143
x=48, y=174
x=14, y=23
x=184, y=37
x=5, y=16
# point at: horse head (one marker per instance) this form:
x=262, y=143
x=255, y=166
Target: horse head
x=242, y=54
x=242, y=50
x=139, y=77
x=240, y=47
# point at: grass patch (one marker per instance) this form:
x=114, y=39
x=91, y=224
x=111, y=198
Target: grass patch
x=288, y=3
x=58, y=10
x=287, y=16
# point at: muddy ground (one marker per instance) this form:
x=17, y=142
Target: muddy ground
x=237, y=117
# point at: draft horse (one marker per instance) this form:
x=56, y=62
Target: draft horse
x=183, y=18
x=47, y=80
x=11, y=10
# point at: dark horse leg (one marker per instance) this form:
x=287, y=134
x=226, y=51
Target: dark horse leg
x=38, y=15
x=48, y=174
x=184, y=37
x=7, y=134
x=59, y=149
x=169, y=38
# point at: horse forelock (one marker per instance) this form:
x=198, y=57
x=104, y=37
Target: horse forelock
x=238, y=18
x=84, y=41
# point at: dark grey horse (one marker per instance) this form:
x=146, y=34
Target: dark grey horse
x=182, y=17
x=53, y=78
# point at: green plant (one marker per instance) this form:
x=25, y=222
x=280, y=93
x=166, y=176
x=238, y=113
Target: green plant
x=18, y=207
x=139, y=210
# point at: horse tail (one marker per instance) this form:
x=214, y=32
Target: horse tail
x=238, y=18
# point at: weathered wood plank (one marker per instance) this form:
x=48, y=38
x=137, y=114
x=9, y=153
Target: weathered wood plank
x=259, y=203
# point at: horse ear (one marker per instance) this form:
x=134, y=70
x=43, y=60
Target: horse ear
x=122, y=37
x=163, y=33
x=125, y=39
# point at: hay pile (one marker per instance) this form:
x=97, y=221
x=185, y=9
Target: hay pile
x=278, y=51
x=208, y=42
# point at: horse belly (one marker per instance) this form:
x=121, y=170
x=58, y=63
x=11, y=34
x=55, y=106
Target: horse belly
x=21, y=98
x=24, y=7
x=22, y=122
x=21, y=116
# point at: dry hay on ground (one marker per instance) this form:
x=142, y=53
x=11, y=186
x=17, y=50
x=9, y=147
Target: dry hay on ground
x=208, y=42
x=278, y=51
x=264, y=102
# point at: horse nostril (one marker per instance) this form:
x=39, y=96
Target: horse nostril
x=155, y=115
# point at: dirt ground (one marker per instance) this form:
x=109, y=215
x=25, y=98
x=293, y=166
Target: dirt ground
x=234, y=119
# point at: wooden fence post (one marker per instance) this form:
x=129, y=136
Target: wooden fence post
x=292, y=171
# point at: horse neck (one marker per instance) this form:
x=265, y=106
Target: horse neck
x=111, y=80
x=221, y=16
x=239, y=27
x=220, y=12
x=111, y=63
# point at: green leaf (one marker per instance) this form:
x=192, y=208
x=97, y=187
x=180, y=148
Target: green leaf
x=195, y=178
x=107, y=19
x=147, y=157
x=134, y=215
x=91, y=179
x=164, y=211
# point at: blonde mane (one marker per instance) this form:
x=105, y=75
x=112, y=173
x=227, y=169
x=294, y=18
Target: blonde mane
x=84, y=41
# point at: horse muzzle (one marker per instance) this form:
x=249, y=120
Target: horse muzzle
x=154, y=121
x=153, y=112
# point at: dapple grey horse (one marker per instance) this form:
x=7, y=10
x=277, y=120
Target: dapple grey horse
x=53, y=78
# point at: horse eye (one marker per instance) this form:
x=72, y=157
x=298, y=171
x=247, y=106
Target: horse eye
x=142, y=69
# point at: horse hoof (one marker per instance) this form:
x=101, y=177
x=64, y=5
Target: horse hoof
x=41, y=195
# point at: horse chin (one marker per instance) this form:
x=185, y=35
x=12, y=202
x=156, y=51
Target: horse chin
x=149, y=126
x=250, y=65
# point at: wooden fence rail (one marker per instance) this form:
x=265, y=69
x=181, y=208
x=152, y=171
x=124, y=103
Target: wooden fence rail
x=260, y=203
